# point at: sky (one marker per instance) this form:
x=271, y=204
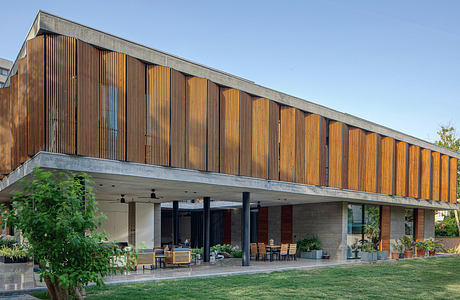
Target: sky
x=395, y=63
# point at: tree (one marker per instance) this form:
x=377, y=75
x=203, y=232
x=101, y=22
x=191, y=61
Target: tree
x=57, y=215
x=448, y=139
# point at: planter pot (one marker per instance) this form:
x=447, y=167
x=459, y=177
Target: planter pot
x=401, y=255
x=13, y=260
x=382, y=255
x=420, y=252
x=395, y=255
x=432, y=253
x=369, y=256
x=314, y=254
x=408, y=254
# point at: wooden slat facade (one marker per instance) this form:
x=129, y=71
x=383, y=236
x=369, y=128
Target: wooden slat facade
x=338, y=155
x=14, y=119
x=35, y=95
x=112, y=130
x=229, y=130
x=385, y=228
x=213, y=127
x=453, y=173
x=260, y=137
x=22, y=110
x=287, y=143
x=435, y=176
x=87, y=100
x=262, y=225
x=413, y=189
x=60, y=94
x=373, y=160
x=245, y=134
x=425, y=174
x=300, y=170
x=135, y=110
x=419, y=224
x=444, y=178
x=402, y=160
x=356, y=159
x=227, y=230
x=286, y=224
x=196, y=123
x=157, y=115
x=315, y=149
x=5, y=131
x=177, y=119
x=387, y=174
x=274, y=144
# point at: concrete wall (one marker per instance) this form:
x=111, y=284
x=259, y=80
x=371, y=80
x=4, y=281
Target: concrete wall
x=236, y=227
x=450, y=243
x=145, y=224
x=397, y=224
x=429, y=223
x=116, y=224
x=157, y=225
x=274, y=223
x=327, y=221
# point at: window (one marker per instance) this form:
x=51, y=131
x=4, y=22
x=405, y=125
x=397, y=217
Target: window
x=4, y=71
x=360, y=217
x=409, y=222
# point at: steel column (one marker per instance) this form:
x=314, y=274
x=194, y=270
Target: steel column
x=206, y=228
x=245, y=228
x=175, y=218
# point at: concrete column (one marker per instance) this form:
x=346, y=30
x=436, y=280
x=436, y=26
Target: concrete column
x=245, y=228
x=397, y=228
x=132, y=223
x=157, y=225
x=429, y=223
x=175, y=219
x=206, y=228
x=145, y=225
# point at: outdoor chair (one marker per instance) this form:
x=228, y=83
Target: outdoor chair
x=284, y=251
x=293, y=251
x=179, y=256
x=145, y=257
x=262, y=251
x=253, y=251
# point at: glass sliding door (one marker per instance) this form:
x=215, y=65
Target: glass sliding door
x=362, y=220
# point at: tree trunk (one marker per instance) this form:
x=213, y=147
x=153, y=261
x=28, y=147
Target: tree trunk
x=456, y=220
x=55, y=291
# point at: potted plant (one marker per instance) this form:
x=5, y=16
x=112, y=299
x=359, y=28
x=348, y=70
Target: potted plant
x=355, y=249
x=369, y=253
x=408, y=245
x=310, y=248
x=13, y=255
x=432, y=246
x=398, y=250
x=372, y=232
x=420, y=248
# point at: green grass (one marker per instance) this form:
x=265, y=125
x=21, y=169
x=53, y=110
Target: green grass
x=431, y=278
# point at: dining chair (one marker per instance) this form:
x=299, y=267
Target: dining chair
x=293, y=251
x=253, y=251
x=284, y=251
x=262, y=251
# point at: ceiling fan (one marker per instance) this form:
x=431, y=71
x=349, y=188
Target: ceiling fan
x=153, y=196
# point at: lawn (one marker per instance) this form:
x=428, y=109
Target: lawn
x=430, y=278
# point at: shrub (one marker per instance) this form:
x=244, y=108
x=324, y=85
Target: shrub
x=13, y=252
x=309, y=244
x=447, y=227
x=407, y=242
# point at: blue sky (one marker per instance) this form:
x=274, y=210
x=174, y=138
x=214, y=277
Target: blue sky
x=395, y=63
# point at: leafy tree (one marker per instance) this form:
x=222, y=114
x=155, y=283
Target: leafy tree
x=56, y=213
x=447, y=227
x=448, y=138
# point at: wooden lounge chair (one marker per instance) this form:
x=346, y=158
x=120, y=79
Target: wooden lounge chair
x=284, y=251
x=145, y=258
x=293, y=251
x=253, y=251
x=179, y=256
x=262, y=251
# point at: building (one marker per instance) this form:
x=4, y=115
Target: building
x=5, y=66
x=153, y=128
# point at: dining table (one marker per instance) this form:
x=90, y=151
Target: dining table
x=273, y=249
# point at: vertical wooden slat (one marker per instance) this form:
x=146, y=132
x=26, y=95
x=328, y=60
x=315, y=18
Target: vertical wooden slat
x=356, y=159
x=274, y=142
x=385, y=228
x=60, y=96
x=229, y=130
x=287, y=144
x=453, y=166
x=35, y=95
x=135, y=106
x=14, y=121
x=177, y=119
x=196, y=123
x=387, y=162
x=401, y=168
x=260, y=137
x=300, y=170
x=87, y=100
x=414, y=172
x=227, y=230
x=157, y=115
x=286, y=224
x=444, y=178
x=419, y=228
x=213, y=127
x=315, y=142
x=373, y=154
x=5, y=131
x=112, y=110
x=245, y=134
x=425, y=174
x=22, y=110
x=435, y=176
x=338, y=155
x=262, y=225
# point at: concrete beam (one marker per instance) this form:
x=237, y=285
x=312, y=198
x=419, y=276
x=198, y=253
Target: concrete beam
x=237, y=184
